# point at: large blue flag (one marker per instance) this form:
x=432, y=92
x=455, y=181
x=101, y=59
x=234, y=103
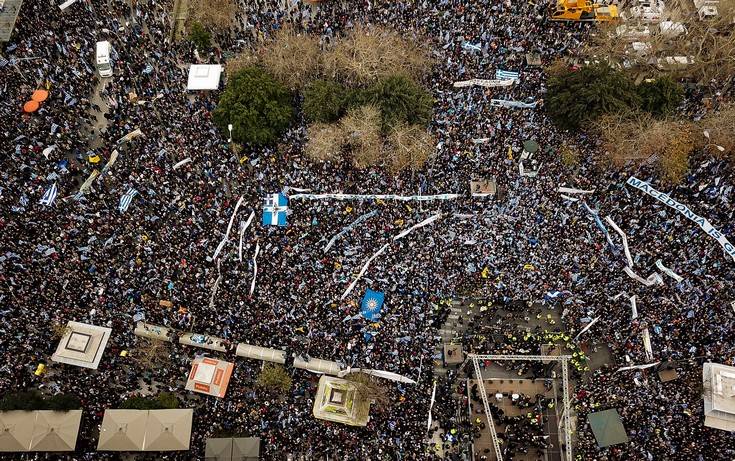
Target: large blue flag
x=275, y=210
x=372, y=304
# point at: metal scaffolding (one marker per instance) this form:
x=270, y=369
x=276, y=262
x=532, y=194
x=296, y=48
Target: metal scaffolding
x=564, y=359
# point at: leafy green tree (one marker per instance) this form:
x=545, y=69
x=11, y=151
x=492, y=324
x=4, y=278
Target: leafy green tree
x=199, y=36
x=31, y=400
x=163, y=401
x=399, y=99
x=576, y=97
x=64, y=402
x=258, y=107
x=324, y=101
x=660, y=97
x=167, y=400
x=34, y=400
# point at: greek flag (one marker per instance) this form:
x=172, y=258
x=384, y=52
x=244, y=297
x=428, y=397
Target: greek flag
x=50, y=195
x=501, y=74
x=23, y=201
x=127, y=199
x=148, y=69
x=275, y=210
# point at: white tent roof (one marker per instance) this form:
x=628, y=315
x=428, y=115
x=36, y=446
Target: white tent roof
x=204, y=76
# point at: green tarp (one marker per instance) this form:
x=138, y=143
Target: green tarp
x=607, y=427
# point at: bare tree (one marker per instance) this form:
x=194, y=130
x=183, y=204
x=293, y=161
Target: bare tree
x=370, y=388
x=640, y=137
x=213, y=14
x=239, y=62
x=367, y=54
x=570, y=155
x=709, y=43
x=719, y=127
x=325, y=141
x=361, y=127
x=408, y=146
x=59, y=329
x=150, y=353
x=292, y=58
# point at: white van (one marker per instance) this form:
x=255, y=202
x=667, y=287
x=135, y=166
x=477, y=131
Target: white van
x=104, y=66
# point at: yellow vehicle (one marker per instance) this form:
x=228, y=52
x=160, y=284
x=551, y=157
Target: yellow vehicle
x=583, y=10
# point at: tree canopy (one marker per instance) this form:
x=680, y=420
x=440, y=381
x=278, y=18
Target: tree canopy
x=324, y=101
x=576, y=97
x=34, y=400
x=400, y=99
x=258, y=107
x=661, y=96
x=163, y=401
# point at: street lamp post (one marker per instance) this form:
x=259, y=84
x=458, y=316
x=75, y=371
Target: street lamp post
x=229, y=127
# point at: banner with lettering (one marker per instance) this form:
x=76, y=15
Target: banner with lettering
x=683, y=209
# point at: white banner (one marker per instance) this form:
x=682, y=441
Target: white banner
x=88, y=182
x=683, y=209
x=423, y=223
x=385, y=247
x=638, y=367
x=255, y=267
x=586, y=328
x=483, y=82
x=67, y=4
x=633, y=308
x=431, y=405
x=364, y=268
x=513, y=104
x=110, y=162
x=130, y=136
x=668, y=271
x=651, y=280
x=182, y=163
x=404, y=198
x=229, y=228
x=623, y=236
x=243, y=227
x=349, y=227
x=571, y=190
x=647, y=344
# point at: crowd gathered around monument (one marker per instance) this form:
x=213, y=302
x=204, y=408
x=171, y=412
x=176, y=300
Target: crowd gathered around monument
x=84, y=259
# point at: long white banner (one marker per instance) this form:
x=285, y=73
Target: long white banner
x=653, y=279
x=382, y=249
x=514, y=104
x=668, y=271
x=683, y=209
x=404, y=198
x=483, y=82
x=624, y=237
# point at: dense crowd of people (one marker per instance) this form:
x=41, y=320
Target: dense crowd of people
x=83, y=259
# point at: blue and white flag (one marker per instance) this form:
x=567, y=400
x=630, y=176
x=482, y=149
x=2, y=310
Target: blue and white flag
x=501, y=74
x=127, y=199
x=275, y=210
x=471, y=47
x=553, y=294
x=372, y=304
x=50, y=195
x=148, y=69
